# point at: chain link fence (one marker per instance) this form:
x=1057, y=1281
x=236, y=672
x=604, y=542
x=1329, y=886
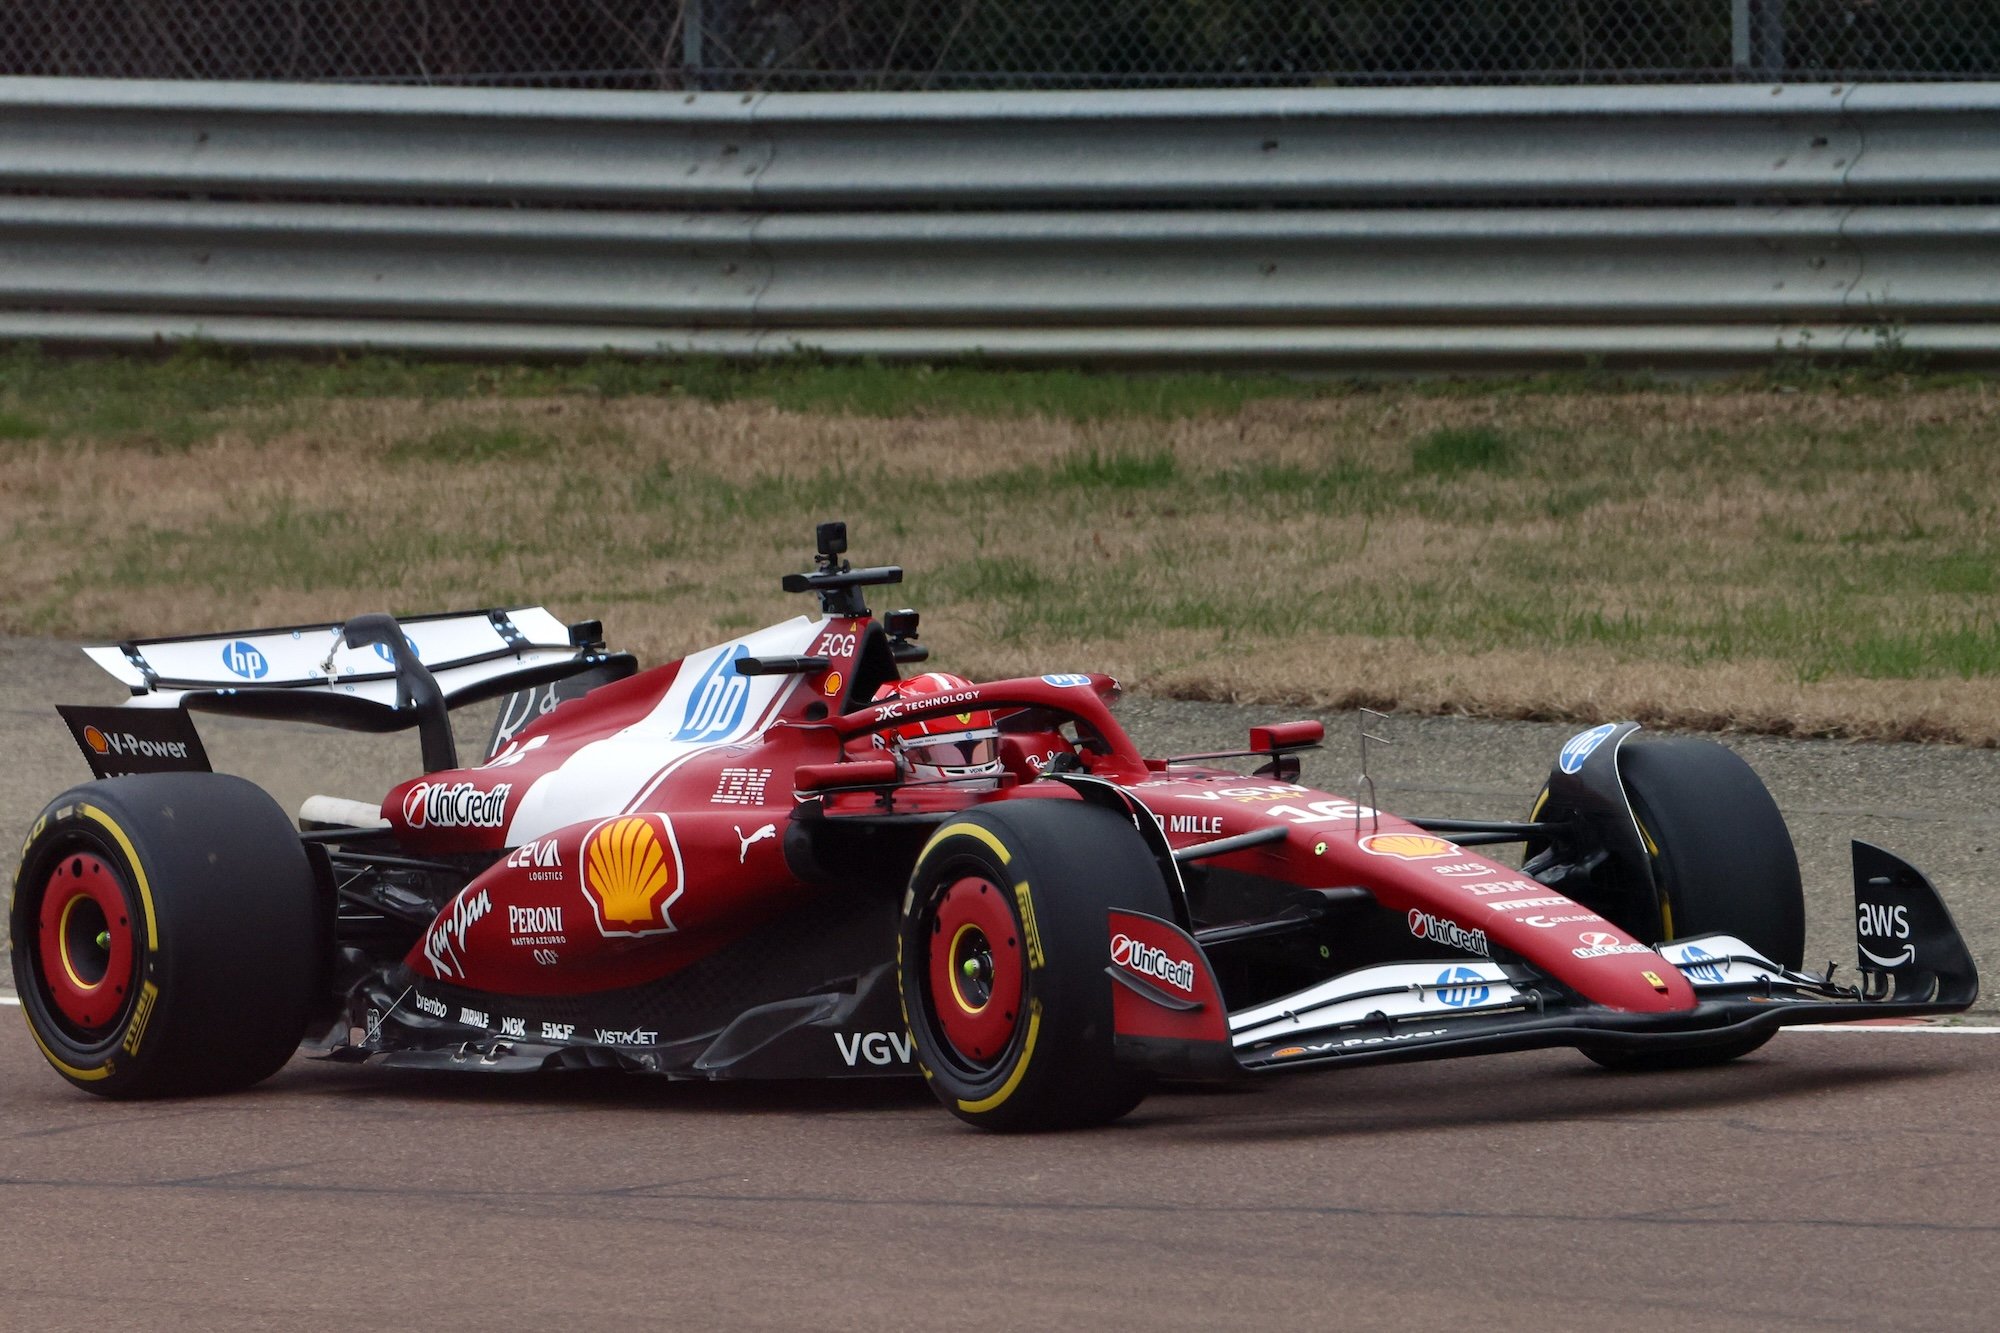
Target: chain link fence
x=795, y=45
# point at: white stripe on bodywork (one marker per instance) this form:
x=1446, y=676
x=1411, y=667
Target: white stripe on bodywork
x=1414, y=988
x=614, y=774
x=1719, y=960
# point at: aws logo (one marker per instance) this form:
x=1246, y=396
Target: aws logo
x=631, y=872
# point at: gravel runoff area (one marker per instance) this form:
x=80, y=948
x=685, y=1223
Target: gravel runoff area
x=1933, y=804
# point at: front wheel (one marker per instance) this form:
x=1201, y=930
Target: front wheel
x=1723, y=861
x=1001, y=962
x=166, y=935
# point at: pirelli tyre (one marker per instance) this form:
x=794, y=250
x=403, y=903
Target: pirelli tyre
x=1002, y=956
x=1723, y=861
x=167, y=935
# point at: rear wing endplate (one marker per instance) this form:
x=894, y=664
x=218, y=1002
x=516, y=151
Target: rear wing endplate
x=334, y=675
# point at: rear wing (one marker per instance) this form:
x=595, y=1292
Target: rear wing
x=357, y=675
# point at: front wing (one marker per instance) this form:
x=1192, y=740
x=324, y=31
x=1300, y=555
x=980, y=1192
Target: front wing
x=1169, y=1017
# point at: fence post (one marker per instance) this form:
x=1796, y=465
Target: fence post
x=1757, y=37
x=1769, y=38
x=691, y=43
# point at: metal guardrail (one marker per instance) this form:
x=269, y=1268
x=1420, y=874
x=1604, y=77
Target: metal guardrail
x=1471, y=226
x=884, y=150
x=1034, y=269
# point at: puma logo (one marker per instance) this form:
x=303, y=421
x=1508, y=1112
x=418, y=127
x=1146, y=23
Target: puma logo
x=768, y=831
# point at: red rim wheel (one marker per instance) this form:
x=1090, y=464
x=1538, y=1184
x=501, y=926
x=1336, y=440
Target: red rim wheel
x=976, y=969
x=85, y=942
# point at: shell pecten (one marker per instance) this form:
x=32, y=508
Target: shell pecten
x=626, y=868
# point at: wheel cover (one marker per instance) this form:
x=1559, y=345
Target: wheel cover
x=84, y=942
x=976, y=970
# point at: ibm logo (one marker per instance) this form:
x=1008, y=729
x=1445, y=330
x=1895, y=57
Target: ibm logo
x=740, y=786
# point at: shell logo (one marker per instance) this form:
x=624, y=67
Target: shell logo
x=95, y=740
x=833, y=683
x=1407, y=846
x=631, y=872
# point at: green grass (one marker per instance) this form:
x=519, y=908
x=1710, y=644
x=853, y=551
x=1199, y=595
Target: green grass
x=1841, y=532
x=467, y=442
x=1445, y=452
x=174, y=400
x=169, y=401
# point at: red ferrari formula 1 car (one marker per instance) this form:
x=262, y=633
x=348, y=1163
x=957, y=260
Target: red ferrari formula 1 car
x=783, y=858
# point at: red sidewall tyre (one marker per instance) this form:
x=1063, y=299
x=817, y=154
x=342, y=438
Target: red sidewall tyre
x=169, y=936
x=1001, y=961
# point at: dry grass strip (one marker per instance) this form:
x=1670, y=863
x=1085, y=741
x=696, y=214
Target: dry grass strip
x=1806, y=563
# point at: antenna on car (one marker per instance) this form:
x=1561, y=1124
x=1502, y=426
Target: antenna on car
x=1373, y=806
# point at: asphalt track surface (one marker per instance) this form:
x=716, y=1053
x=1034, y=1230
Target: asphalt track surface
x=1836, y=1178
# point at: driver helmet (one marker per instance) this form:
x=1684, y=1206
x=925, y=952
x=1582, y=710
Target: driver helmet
x=952, y=747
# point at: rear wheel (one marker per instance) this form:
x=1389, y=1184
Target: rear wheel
x=1002, y=958
x=166, y=935
x=1723, y=861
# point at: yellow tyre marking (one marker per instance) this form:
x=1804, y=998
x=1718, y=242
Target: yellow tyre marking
x=87, y=1075
x=138, y=870
x=952, y=972
x=62, y=947
x=1666, y=908
x=999, y=849
x=1540, y=801
x=1020, y=1066
x=40, y=823
x=136, y=1033
x=971, y=831
x=1028, y=926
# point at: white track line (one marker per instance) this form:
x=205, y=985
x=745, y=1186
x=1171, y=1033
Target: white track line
x=1934, y=1028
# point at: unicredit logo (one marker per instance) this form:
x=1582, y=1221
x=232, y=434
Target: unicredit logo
x=1441, y=931
x=460, y=805
x=1150, y=962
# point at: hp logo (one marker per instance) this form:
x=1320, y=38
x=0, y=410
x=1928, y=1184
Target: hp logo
x=716, y=708
x=1461, y=986
x=1701, y=965
x=242, y=660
